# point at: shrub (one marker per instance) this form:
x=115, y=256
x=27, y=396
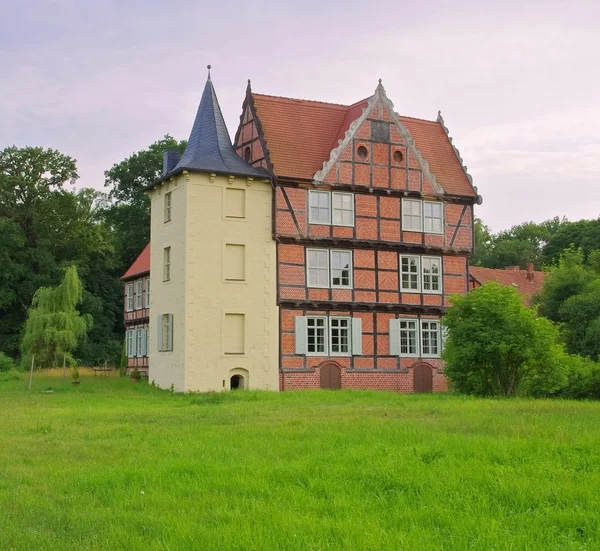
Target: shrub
x=6, y=363
x=123, y=365
x=11, y=375
x=498, y=347
x=75, y=374
x=135, y=374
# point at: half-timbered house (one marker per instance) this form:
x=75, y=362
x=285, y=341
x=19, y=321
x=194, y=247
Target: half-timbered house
x=371, y=216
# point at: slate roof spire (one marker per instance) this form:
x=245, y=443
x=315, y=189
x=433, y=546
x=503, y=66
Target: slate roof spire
x=209, y=147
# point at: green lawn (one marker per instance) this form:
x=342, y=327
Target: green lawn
x=116, y=465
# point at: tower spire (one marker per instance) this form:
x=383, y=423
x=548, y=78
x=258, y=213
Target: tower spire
x=209, y=68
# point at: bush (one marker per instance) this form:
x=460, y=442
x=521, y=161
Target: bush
x=11, y=375
x=75, y=374
x=583, y=379
x=498, y=347
x=6, y=363
x=123, y=365
x=135, y=374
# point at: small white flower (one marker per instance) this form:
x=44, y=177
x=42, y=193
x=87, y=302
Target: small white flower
x=142, y=493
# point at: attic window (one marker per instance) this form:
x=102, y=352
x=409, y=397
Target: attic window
x=362, y=152
x=247, y=154
x=398, y=156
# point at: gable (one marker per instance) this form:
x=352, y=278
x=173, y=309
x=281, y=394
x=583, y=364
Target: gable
x=301, y=135
x=376, y=150
x=249, y=143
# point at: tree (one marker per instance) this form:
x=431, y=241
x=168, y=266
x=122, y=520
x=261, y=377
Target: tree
x=583, y=234
x=54, y=326
x=129, y=213
x=498, y=347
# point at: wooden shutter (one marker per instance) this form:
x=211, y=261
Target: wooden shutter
x=300, y=334
x=159, y=333
x=170, y=332
x=128, y=343
x=357, y=336
x=134, y=350
x=394, y=337
x=144, y=342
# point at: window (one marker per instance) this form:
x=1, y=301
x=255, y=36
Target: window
x=140, y=341
x=343, y=209
x=234, y=262
x=433, y=217
x=315, y=336
x=409, y=273
x=235, y=203
x=130, y=343
x=339, y=336
x=430, y=338
x=328, y=336
x=317, y=264
x=167, y=207
x=167, y=264
x=409, y=338
x=147, y=297
x=341, y=268
x=234, y=334
x=411, y=215
x=319, y=208
x=129, y=297
x=139, y=294
x=431, y=274
x=165, y=333
x=362, y=152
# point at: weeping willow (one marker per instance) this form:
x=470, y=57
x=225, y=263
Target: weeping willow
x=54, y=326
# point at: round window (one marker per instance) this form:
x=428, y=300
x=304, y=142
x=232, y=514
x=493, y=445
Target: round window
x=362, y=152
x=398, y=157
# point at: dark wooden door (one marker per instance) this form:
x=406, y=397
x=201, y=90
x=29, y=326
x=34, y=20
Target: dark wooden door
x=331, y=377
x=422, y=378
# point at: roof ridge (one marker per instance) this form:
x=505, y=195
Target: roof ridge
x=416, y=118
x=285, y=98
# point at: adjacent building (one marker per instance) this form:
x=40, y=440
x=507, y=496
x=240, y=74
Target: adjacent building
x=317, y=251
x=528, y=282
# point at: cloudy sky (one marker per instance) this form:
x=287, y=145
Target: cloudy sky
x=518, y=83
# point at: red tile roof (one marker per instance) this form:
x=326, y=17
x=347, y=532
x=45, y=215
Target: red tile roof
x=510, y=277
x=140, y=266
x=300, y=135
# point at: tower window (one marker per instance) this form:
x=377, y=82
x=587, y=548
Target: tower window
x=247, y=154
x=362, y=152
x=398, y=156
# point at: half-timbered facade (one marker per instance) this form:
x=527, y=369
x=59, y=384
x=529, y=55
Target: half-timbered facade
x=136, y=308
x=373, y=218
x=322, y=247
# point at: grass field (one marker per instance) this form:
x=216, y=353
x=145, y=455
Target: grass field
x=117, y=465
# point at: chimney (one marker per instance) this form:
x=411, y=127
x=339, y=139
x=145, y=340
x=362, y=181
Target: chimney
x=530, y=272
x=170, y=159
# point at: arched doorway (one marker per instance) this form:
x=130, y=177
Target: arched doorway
x=236, y=382
x=422, y=378
x=331, y=376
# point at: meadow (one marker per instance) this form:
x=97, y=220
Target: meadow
x=112, y=464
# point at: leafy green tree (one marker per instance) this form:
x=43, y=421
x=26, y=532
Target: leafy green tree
x=583, y=234
x=54, y=325
x=129, y=212
x=498, y=347
x=566, y=279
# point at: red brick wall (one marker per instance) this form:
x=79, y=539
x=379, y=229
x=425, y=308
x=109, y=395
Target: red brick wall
x=387, y=372
x=379, y=285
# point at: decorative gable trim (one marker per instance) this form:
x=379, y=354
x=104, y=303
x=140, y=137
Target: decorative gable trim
x=440, y=119
x=378, y=97
x=249, y=102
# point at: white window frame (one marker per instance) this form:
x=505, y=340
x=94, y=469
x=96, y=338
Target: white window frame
x=350, y=282
x=437, y=335
x=147, y=294
x=441, y=205
x=167, y=264
x=405, y=215
x=407, y=330
x=139, y=342
x=318, y=268
x=329, y=344
x=341, y=209
x=419, y=271
x=319, y=194
x=139, y=294
x=325, y=336
x=129, y=343
x=129, y=297
x=439, y=275
x=168, y=202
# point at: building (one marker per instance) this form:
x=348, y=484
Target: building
x=319, y=251
x=528, y=282
x=136, y=309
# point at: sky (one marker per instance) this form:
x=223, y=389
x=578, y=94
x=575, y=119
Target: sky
x=518, y=83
